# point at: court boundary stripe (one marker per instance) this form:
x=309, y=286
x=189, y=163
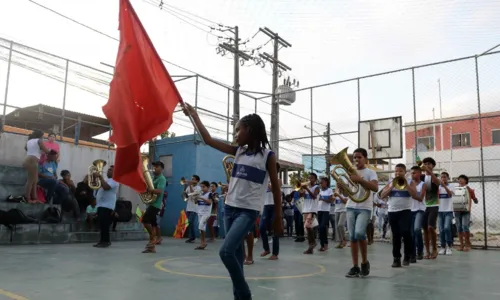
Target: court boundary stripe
x=11, y=295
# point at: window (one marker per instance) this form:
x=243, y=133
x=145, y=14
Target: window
x=167, y=161
x=427, y=141
x=461, y=140
x=495, y=136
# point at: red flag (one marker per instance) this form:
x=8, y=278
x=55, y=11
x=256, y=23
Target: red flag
x=142, y=98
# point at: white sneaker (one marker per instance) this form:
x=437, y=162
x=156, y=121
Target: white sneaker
x=442, y=251
x=448, y=251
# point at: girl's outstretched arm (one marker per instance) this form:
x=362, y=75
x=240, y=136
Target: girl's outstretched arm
x=219, y=145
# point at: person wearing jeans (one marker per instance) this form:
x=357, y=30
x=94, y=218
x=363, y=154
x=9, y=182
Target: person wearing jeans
x=288, y=210
x=359, y=213
x=325, y=199
x=340, y=218
x=417, y=214
x=445, y=215
x=191, y=187
x=462, y=218
x=265, y=225
x=298, y=220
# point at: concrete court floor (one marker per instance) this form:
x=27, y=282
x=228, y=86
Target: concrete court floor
x=81, y=272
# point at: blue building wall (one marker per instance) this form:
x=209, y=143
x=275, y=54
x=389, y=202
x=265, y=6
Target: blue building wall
x=189, y=157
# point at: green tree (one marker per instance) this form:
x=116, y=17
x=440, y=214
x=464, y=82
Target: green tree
x=294, y=178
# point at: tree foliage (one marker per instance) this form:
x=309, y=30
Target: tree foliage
x=167, y=134
x=294, y=178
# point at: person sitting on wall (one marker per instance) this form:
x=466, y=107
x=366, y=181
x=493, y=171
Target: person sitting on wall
x=47, y=175
x=84, y=194
x=69, y=203
x=91, y=214
x=50, y=144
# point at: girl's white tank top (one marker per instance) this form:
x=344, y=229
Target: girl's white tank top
x=33, y=148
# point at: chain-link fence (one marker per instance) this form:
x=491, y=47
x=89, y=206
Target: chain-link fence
x=449, y=109
x=450, y=112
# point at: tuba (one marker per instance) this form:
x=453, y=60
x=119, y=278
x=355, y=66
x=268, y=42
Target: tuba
x=228, y=164
x=399, y=183
x=342, y=159
x=94, y=171
x=147, y=197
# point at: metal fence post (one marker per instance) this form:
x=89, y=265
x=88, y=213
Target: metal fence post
x=255, y=99
x=195, y=105
x=481, y=153
x=414, y=115
x=61, y=133
x=312, y=139
x=9, y=61
x=228, y=112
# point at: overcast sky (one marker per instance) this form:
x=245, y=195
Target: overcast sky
x=331, y=40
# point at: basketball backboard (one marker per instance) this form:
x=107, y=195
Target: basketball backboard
x=387, y=137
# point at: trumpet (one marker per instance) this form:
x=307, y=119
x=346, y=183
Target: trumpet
x=94, y=171
x=342, y=160
x=299, y=186
x=222, y=184
x=184, y=181
x=193, y=196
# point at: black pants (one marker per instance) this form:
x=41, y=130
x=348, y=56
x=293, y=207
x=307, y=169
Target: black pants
x=323, y=220
x=289, y=225
x=299, y=224
x=105, y=219
x=400, y=223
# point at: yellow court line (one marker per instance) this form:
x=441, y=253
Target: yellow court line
x=160, y=265
x=12, y=295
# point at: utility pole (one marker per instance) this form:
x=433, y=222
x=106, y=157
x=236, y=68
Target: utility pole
x=278, y=66
x=327, y=136
x=234, y=48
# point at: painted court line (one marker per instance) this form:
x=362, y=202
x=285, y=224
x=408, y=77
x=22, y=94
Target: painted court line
x=11, y=295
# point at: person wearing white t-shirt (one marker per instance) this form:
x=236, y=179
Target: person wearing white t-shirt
x=359, y=213
x=190, y=187
x=445, y=215
x=324, y=201
x=310, y=210
x=417, y=213
x=254, y=165
x=382, y=217
x=204, y=201
x=399, y=210
x=340, y=217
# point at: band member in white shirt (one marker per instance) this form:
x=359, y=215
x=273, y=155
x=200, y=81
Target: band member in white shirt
x=310, y=210
x=324, y=204
x=190, y=187
x=266, y=223
x=359, y=213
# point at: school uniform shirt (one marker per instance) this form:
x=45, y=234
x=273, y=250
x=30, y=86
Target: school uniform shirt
x=418, y=205
x=310, y=203
x=368, y=175
x=268, y=197
x=445, y=200
x=289, y=209
x=339, y=205
x=204, y=209
x=399, y=201
x=191, y=205
x=249, y=179
x=324, y=195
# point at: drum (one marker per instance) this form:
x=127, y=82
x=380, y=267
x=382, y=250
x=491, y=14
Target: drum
x=300, y=204
x=461, y=198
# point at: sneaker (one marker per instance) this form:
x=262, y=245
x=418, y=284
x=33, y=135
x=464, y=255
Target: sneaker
x=420, y=256
x=353, y=272
x=448, y=251
x=413, y=260
x=442, y=251
x=406, y=261
x=396, y=263
x=365, y=269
